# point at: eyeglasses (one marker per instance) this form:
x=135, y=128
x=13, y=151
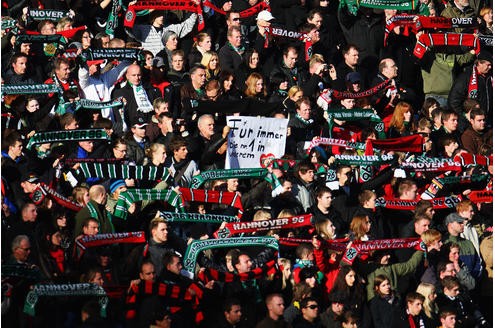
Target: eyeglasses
x=27, y=249
x=236, y=19
x=312, y=306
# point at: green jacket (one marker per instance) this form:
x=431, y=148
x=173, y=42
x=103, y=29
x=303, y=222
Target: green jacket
x=439, y=79
x=105, y=224
x=394, y=272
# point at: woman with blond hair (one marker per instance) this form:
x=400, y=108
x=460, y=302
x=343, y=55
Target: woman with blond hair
x=400, y=123
x=429, y=306
x=210, y=61
x=201, y=45
x=255, y=87
x=293, y=95
x=325, y=229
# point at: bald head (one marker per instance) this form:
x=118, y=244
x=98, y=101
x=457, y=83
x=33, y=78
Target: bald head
x=133, y=74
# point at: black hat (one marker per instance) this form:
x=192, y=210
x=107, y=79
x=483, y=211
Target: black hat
x=138, y=122
x=30, y=177
x=337, y=297
x=353, y=77
x=485, y=55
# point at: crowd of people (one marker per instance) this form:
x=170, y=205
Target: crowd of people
x=114, y=112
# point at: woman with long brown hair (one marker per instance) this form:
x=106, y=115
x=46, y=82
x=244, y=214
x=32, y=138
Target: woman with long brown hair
x=255, y=87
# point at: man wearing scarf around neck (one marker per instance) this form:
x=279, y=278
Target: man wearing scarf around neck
x=302, y=128
x=138, y=100
x=413, y=315
x=95, y=209
x=475, y=83
x=231, y=54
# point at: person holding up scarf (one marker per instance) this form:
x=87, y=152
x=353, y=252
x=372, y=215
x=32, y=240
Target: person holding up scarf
x=95, y=209
x=475, y=83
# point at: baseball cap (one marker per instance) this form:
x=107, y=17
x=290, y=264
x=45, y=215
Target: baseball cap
x=454, y=217
x=139, y=122
x=265, y=15
x=30, y=177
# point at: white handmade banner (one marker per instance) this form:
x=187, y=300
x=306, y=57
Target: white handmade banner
x=252, y=138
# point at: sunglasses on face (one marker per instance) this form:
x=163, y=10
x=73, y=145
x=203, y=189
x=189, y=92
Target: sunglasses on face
x=312, y=307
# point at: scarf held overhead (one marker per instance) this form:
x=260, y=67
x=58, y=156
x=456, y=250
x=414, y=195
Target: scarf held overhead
x=264, y=225
x=127, y=198
x=121, y=171
x=196, y=217
x=212, y=196
x=198, y=180
x=427, y=40
x=73, y=135
x=410, y=205
x=130, y=15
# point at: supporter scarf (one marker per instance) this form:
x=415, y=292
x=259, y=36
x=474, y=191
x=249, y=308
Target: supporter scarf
x=212, y=196
x=210, y=274
x=353, y=5
x=406, y=21
x=473, y=84
x=356, y=115
x=196, y=217
x=282, y=32
x=198, y=180
x=29, y=89
x=142, y=100
x=335, y=142
x=38, y=38
x=413, y=143
x=264, y=225
x=328, y=94
x=73, y=135
x=66, y=34
x=122, y=171
x=110, y=239
x=197, y=246
x=42, y=14
x=467, y=159
x=359, y=247
x=43, y=190
x=128, y=197
x=72, y=161
x=84, y=289
x=24, y=271
x=251, y=11
x=113, y=54
x=176, y=293
x=113, y=18
x=361, y=160
x=481, y=196
x=486, y=40
x=97, y=105
x=130, y=15
x=445, y=39
x=439, y=182
x=426, y=164
x=8, y=23
x=399, y=204
x=336, y=244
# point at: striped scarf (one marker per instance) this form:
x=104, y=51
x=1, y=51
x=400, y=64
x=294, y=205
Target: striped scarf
x=111, y=238
x=243, y=14
x=467, y=159
x=121, y=171
x=356, y=114
x=127, y=198
x=210, y=274
x=445, y=39
x=282, y=32
x=212, y=196
x=175, y=296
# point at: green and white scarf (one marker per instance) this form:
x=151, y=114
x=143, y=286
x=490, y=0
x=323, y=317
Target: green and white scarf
x=198, y=180
x=84, y=289
x=356, y=115
x=113, y=18
x=197, y=246
x=73, y=135
x=353, y=5
x=42, y=14
x=119, y=54
x=127, y=198
x=196, y=217
x=29, y=89
x=121, y=171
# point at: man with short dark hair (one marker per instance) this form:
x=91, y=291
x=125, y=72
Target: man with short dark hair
x=350, y=53
x=232, y=314
x=303, y=184
x=230, y=56
x=448, y=129
x=17, y=73
x=180, y=167
x=288, y=67
x=476, y=134
x=309, y=317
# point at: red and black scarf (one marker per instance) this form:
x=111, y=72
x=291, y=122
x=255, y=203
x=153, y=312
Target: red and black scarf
x=212, y=196
x=40, y=193
x=445, y=39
